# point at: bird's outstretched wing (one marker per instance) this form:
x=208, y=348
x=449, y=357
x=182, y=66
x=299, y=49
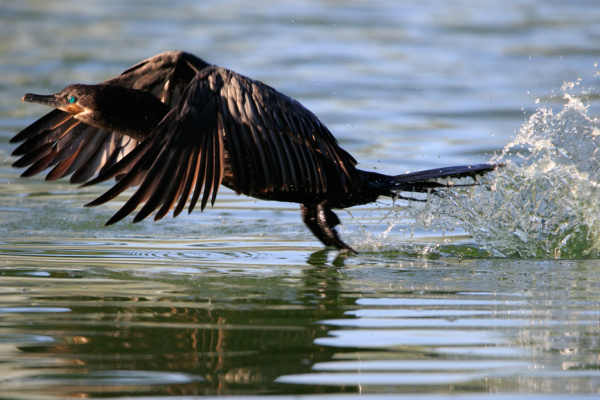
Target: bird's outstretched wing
x=228, y=126
x=72, y=147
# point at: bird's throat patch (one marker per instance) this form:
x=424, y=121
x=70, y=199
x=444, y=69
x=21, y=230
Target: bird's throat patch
x=73, y=109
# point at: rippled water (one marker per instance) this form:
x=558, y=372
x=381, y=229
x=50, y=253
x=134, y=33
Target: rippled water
x=241, y=299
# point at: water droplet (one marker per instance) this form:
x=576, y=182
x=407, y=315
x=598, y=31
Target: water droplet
x=546, y=205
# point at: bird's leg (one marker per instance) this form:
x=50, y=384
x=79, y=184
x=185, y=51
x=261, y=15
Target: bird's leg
x=322, y=222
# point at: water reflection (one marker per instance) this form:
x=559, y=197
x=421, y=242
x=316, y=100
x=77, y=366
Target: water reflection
x=222, y=331
x=211, y=343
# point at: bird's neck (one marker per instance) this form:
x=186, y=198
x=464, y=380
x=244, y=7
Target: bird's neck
x=130, y=112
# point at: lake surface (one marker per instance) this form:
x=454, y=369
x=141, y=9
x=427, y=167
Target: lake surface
x=492, y=290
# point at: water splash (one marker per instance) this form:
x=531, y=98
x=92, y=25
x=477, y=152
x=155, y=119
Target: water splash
x=545, y=203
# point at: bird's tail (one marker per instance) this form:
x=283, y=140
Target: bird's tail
x=423, y=181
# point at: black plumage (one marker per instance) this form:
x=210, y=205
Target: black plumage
x=179, y=128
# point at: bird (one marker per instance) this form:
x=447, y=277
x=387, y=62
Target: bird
x=177, y=128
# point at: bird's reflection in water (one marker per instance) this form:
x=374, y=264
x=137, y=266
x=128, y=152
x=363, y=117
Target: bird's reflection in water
x=233, y=344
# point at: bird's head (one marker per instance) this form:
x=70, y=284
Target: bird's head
x=74, y=99
x=131, y=112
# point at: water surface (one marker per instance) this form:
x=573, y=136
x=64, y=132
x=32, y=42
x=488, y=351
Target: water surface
x=241, y=299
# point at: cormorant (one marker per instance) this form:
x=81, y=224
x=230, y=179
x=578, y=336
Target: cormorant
x=178, y=126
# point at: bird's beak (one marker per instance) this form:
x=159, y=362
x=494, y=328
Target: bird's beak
x=54, y=102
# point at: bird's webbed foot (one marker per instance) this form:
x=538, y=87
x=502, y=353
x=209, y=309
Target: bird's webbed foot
x=321, y=221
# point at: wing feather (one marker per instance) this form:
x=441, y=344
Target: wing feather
x=135, y=158
x=161, y=183
x=44, y=137
x=220, y=122
x=201, y=173
x=40, y=164
x=177, y=185
x=319, y=173
x=87, y=149
x=209, y=170
x=102, y=145
x=240, y=161
x=305, y=157
x=191, y=177
x=135, y=163
x=34, y=156
x=36, y=142
x=48, y=122
x=145, y=190
x=219, y=156
x=67, y=155
x=165, y=75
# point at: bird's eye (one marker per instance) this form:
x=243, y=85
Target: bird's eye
x=72, y=99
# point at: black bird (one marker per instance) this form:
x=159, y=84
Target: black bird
x=178, y=126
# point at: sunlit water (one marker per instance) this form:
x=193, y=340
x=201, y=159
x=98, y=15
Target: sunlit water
x=490, y=290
